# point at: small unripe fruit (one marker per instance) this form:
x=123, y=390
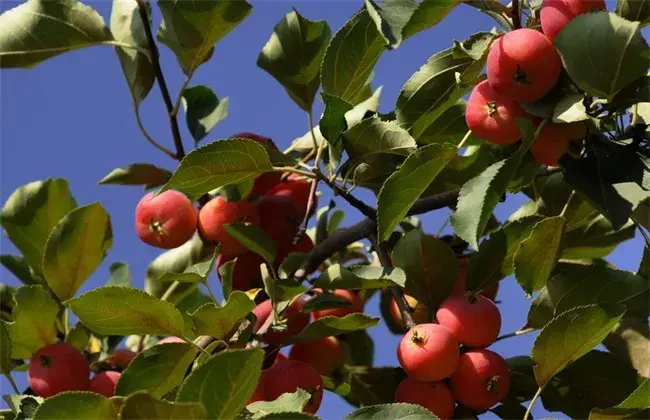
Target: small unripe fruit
x=218, y=212
x=325, y=355
x=265, y=181
x=104, y=383
x=296, y=321
x=279, y=219
x=435, y=396
x=474, y=320
x=288, y=376
x=57, y=368
x=171, y=339
x=121, y=358
x=493, y=116
x=523, y=65
x=297, y=189
x=554, y=141
x=481, y=380
x=420, y=312
x=356, y=306
x=246, y=274
x=166, y=221
x=555, y=14
x=428, y=352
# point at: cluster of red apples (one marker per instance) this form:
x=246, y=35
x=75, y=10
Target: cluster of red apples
x=277, y=203
x=522, y=67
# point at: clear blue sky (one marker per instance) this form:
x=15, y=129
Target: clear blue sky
x=71, y=117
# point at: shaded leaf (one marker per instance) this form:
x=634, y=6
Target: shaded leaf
x=392, y=411
x=127, y=28
x=17, y=266
x=402, y=189
x=372, y=385
x=34, y=323
x=226, y=398
x=450, y=127
x=293, y=56
x=391, y=17
x=31, y=212
x=430, y=265
x=5, y=349
x=196, y=273
x=157, y=370
x=361, y=348
x=216, y=321
x=324, y=301
x=114, y=310
x=634, y=10
x=144, y=406
x=428, y=13
x=218, y=164
x=596, y=239
x=120, y=274
x=253, y=238
x=61, y=26
x=570, y=109
x=191, y=28
x=630, y=341
x=203, y=110
x=569, y=336
x=75, y=405
x=337, y=276
x=373, y=135
x=329, y=326
x=605, y=38
x=286, y=403
x=75, y=248
x=138, y=174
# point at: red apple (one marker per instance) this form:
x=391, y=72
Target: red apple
x=356, y=306
x=218, y=212
x=165, y=221
x=104, y=383
x=481, y=380
x=474, y=320
x=434, y=396
x=555, y=14
x=57, y=368
x=428, y=352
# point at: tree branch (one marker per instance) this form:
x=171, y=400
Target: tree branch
x=516, y=14
x=178, y=141
x=365, y=209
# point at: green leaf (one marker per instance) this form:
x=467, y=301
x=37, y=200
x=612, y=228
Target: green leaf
x=324, y=301
x=361, y=348
x=480, y=195
x=392, y=411
x=78, y=336
x=332, y=125
x=634, y=10
x=359, y=45
x=203, y=110
x=373, y=135
x=391, y=17
x=114, y=310
x=608, y=39
x=216, y=321
x=570, y=109
x=75, y=248
x=538, y=253
x=286, y=403
x=293, y=56
x=337, y=276
x=329, y=326
x=450, y=127
x=218, y=164
x=127, y=28
x=439, y=83
x=5, y=349
x=253, y=238
x=31, y=212
x=196, y=273
x=34, y=323
x=430, y=265
x=120, y=275
x=226, y=271
x=40, y=29
x=630, y=341
x=191, y=28
x=428, y=13
x=495, y=9
x=138, y=173
x=372, y=385
x=402, y=189
x=569, y=336
x=289, y=416
x=23, y=406
x=240, y=370
x=144, y=406
x=157, y=370
x=597, y=239
x=17, y=266
x=76, y=405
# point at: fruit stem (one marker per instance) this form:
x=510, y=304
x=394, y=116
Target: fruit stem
x=515, y=334
x=464, y=140
x=66, y=321
x=516, y=14
x=568, y=202
x=12, y=382
x=310, y=204
x=532, y=402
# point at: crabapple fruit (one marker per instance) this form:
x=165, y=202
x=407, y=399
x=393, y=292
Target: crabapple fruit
x=121, y=358
x=218, y=212
x=523, y=65
x=554, y=141
x=267, y=180
x=57, y=368
x=246, y=274
x=296, y=321
x=356, y=306
x=420, y=312
x=288, y=376
x=493, y=116
x=165, y=221
x=297, y=189
x=325, y=354
x=279, y=219
x=481, y=380
x=434, y=396
x=104, y=383
x=428, y=352
x=474, y=320
x=555, y=14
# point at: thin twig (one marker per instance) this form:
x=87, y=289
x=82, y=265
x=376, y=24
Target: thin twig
x=514, y=334
x=178, y=141
x=516, y=14
x=12, y=383
x=365, y=209
x=148, y=137
x=532, y=402
x=310, y=205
